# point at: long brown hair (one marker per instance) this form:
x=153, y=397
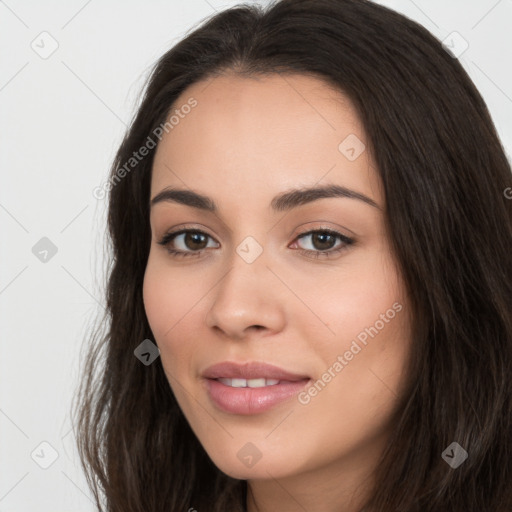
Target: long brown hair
x=444, y=173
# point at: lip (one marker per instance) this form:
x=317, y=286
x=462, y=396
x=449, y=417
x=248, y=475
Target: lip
x=247, y=401
x=252, y=370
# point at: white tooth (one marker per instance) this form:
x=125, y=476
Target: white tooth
x=256, y=383
x=251, y=383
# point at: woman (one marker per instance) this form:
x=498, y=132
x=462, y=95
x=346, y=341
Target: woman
x=309, y=302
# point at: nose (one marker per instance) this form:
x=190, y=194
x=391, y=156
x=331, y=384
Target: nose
x=248, y=299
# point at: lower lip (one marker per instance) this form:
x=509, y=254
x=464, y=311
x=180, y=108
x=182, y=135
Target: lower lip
x=252, y=400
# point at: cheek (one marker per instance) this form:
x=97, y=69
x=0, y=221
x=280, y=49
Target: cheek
x=168, y=294
x=366, y=350
x=354, y=297
x=159, y=304
x=166, y=303
x=360, y=366
x=173, y=302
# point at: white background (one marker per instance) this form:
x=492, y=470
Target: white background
x=62, y=119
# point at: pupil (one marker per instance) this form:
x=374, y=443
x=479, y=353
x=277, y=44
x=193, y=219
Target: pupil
x=195, y=239
x=322, y=236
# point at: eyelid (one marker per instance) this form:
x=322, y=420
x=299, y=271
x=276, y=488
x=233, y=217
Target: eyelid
x=322, y=225
x=345, y=240
x=312, y=231
x=327, y=254
x=295, y=233
x=180, y=230
x=187, y=227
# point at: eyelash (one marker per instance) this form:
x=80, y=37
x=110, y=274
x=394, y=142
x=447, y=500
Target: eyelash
x=168, y=237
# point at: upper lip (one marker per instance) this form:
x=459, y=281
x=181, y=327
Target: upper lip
x=252, y=370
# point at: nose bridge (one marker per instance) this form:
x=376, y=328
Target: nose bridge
x=246, y=294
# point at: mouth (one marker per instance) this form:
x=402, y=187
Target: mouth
x=250, y=371
x=251, y=388
x=248, y=383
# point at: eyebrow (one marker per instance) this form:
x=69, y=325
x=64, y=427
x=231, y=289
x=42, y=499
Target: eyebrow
x=280, y=203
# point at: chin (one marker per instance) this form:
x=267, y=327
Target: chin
x=276, y=465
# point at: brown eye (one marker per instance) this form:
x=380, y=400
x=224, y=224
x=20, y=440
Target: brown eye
x=194, y=240
x=324, y=241
x=191, y=242
x=185, y=242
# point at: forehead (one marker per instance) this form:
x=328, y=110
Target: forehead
x=250, y=138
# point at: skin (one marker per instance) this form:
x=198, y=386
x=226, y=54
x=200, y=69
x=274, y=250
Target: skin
x=247, y=140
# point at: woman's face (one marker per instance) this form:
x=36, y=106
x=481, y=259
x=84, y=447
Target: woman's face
x=250, y=286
